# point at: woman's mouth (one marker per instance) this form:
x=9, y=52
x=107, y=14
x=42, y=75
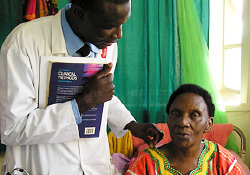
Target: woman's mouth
x=183, y=135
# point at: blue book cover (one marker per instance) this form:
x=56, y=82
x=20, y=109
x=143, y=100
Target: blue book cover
x=66, y=82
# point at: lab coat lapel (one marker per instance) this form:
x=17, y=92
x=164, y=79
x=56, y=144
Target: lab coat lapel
x=58, y=42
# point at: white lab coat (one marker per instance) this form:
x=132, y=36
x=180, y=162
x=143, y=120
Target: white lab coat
x=46, y=141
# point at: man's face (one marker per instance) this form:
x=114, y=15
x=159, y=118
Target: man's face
x=188, y=119
x=104, y=27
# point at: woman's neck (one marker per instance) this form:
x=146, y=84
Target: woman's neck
x=183, y=160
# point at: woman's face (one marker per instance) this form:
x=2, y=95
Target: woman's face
x=188, y=119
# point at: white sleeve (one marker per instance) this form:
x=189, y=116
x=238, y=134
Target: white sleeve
x=22, y=122
x=118, y=117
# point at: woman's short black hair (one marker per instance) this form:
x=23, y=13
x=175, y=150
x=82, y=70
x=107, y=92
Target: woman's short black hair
x=193, y=88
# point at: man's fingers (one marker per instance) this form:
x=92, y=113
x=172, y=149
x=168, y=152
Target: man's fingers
x=155, y=140
x=154, y=137
x=108, y=67
x=105, y=71
x=147, y=140
x=160, y=136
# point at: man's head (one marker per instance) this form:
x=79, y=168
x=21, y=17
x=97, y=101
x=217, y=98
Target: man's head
x=98, y=21
x=92, y=4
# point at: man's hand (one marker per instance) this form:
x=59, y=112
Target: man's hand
x=146, y=131
x=98, y=89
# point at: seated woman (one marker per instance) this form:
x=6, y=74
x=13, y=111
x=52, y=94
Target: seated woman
x=190, y=113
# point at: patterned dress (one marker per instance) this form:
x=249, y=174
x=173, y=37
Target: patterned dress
x=214, y=160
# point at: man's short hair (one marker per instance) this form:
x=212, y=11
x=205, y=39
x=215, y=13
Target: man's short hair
x=193, y=88
x=91, y=4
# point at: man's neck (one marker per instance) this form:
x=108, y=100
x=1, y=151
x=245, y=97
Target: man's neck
x=72, y=20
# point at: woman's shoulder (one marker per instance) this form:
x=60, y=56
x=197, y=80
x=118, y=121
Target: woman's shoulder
x=227, y=160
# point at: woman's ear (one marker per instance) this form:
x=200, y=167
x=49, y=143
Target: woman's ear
x=209, y=124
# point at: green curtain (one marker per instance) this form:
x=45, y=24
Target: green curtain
x=149, y=68
x=202, y=7
x=62, y=3
x=11, y=15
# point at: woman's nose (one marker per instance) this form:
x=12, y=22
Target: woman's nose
x=184, y=121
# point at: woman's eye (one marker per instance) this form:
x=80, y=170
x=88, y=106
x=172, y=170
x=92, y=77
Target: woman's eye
x=175, y=114
x=195, y=114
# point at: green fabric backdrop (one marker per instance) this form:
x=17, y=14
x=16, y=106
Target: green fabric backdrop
x=10, y=16
x=147, y=71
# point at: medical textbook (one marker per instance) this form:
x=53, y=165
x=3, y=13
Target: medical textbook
x=65, y=81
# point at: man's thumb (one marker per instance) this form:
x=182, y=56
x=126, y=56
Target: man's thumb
x=105, y=71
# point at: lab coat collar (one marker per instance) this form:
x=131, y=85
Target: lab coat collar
x=58, y=42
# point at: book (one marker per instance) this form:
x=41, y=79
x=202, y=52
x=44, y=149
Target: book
x=65, y=81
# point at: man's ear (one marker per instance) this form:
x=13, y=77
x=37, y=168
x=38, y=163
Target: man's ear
x=209, y=124
x=79, y=12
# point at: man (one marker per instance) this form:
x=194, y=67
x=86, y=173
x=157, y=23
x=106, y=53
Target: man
x=46, y=141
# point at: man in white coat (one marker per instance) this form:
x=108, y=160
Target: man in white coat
x=46, y=141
